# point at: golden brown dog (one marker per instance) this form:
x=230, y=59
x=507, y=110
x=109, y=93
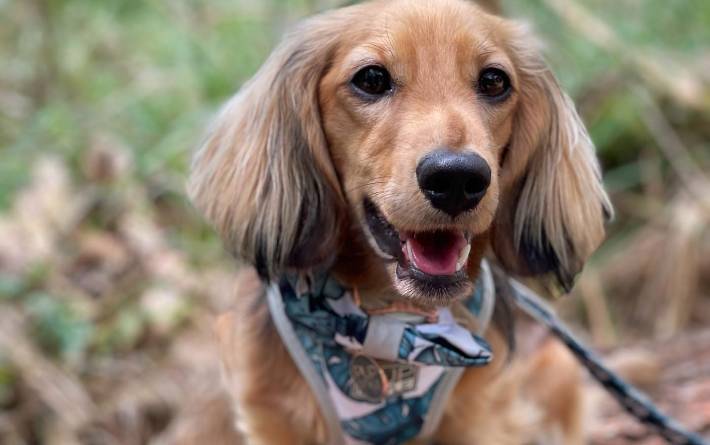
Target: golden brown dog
x=382, y=140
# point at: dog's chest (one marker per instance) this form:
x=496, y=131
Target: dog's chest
x=376, y=379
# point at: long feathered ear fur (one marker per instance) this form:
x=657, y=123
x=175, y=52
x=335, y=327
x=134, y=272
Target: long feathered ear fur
x=263, y=176
x=554, y=206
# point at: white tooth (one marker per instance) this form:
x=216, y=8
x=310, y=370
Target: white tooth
x=463, y=256
x=410, y=255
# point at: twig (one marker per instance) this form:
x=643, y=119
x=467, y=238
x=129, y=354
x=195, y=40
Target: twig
x=673, y=148
x=600, y=323
x=686, y=90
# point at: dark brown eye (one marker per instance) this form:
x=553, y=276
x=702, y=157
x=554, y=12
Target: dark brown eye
x=373, y=80
x=493, y=83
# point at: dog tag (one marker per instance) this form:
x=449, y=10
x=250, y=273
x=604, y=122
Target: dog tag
x=401, y=377
x=369, y=380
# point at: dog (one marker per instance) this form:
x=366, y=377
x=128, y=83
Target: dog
x=401, y=146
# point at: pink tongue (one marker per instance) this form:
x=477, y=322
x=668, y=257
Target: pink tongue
x=436, y=253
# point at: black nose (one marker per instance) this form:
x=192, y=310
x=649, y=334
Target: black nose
x=453, y=182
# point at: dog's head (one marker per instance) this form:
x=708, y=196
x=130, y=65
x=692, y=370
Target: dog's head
x=417, y=132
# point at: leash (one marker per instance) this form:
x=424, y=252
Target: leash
x=630, y=398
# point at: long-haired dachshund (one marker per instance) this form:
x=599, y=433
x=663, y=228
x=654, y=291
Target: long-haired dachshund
x=382, y=157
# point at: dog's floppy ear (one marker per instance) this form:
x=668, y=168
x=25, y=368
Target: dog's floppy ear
x=263, y=176
x=553, y=204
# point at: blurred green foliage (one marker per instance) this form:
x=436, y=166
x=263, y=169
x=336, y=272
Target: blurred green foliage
x=149, y=74
x=58, y=327
x=674, y=34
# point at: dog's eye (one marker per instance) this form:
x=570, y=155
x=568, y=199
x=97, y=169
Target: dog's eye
x=373, y=80
x=493, y=83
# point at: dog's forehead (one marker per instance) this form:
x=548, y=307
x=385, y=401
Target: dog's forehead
x=409, y=36
x=434, y=23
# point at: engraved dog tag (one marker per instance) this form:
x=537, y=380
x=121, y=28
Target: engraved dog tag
x=369, y=380
x=402, y=377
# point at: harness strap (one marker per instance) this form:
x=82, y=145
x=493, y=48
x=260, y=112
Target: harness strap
x=485, y=314
x=299, y=355
x=630, y=398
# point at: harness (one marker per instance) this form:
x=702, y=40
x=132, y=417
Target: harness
x=379, y=379
x=385, y=379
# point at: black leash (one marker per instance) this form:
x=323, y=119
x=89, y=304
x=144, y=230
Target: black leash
x=633, y=400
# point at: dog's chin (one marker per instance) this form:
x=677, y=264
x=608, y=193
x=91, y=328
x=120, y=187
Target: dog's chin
x=426, y=267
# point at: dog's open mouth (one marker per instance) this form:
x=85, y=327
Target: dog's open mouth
x=441, y=253
x=428, y=263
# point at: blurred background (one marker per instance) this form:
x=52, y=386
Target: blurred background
x=109, y=281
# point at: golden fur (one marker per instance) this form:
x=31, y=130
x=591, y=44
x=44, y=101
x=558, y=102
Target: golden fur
x=284, y=169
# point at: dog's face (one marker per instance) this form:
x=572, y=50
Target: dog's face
x=429, y=127
x=417, y=108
